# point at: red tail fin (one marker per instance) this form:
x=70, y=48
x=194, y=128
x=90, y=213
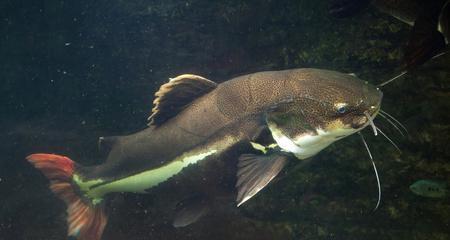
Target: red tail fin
x=86, y=220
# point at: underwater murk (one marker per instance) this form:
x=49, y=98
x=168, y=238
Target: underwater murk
x=143, y=119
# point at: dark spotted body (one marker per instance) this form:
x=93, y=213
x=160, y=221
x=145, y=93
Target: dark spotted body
x=236, y=107
x=208, y=145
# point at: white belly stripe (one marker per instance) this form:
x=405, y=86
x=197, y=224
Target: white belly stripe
x=307, y=145
x=138, y=183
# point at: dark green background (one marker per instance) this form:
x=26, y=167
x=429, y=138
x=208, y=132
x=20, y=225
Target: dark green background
x=72, y=71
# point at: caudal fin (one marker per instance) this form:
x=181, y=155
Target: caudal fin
x=86, y=221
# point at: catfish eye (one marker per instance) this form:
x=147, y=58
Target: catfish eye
x=342, y=109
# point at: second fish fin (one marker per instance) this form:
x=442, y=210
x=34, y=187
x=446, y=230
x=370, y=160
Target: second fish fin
x=425, y=40
x=346, y=8
x=105, y=144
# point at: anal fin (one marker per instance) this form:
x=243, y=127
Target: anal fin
x=255, y=172
x=190, y=210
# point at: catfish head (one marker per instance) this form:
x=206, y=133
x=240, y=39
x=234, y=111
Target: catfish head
x=322, y=107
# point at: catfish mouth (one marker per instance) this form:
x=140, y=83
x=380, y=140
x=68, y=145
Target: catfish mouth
x=365, y=119
x=354, y=122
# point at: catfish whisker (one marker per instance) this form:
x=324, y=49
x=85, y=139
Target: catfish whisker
x=374, y=128
x=442, y=53
x=392, y=79
x=395, y=120
x=392, y=123
x=390, y=140
x=375, y=170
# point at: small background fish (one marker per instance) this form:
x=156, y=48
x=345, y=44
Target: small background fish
x=429, y=188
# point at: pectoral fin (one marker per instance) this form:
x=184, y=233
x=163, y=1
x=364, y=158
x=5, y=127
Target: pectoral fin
x=255, y=172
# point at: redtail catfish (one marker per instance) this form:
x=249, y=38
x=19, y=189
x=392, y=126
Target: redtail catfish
x=204, y=137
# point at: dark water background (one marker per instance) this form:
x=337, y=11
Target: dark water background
x=72, y=71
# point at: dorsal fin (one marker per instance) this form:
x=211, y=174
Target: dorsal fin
x=174, y=96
